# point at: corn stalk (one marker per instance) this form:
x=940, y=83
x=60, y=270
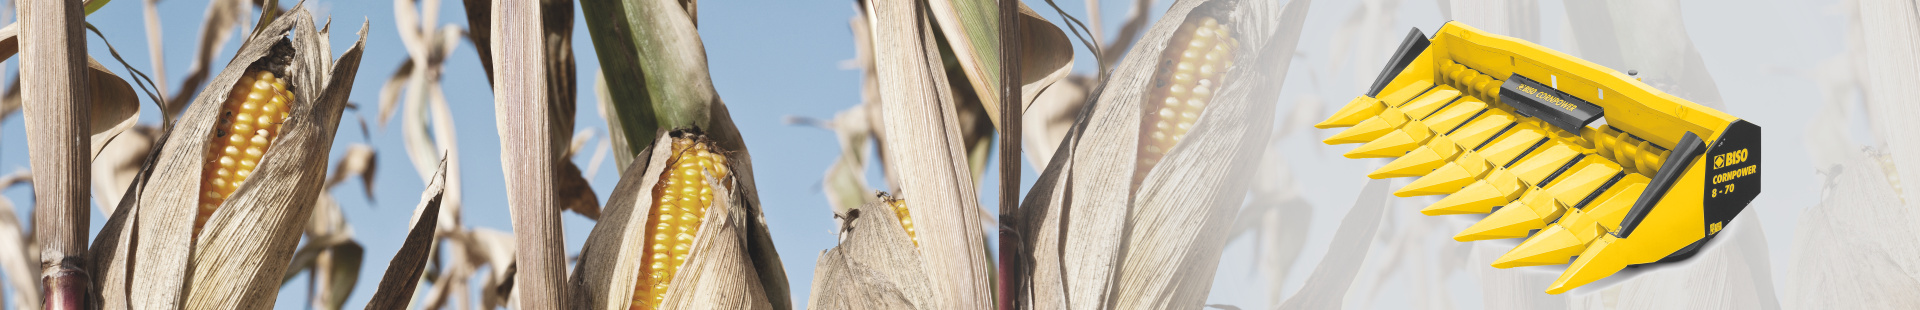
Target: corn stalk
x=528, y=139
x=53, y=67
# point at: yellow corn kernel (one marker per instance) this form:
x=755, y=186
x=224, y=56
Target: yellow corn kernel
x=682, y=199
x=1199, y=54
x=899, y=207
x=247, y=124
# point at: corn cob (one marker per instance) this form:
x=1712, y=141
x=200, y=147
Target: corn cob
x=683, y=198
x=248, y=122
x=899, y=207
x=1198, y=56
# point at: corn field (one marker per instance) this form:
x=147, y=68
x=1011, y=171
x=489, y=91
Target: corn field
x=913, y=154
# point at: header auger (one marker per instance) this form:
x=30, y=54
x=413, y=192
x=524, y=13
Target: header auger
x=1506, y=127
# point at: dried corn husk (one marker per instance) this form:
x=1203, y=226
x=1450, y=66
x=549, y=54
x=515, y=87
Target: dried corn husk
x=238, y=260
x=875, y=266
x=923, y=147
x=731, y=266
x=1096, y=242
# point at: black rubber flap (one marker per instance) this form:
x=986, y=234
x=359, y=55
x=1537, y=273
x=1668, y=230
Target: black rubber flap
x=1670, y=171
x=1410, y=48
x=1548, y=104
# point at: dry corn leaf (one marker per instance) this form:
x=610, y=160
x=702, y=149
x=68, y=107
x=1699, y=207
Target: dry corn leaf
x=112, y=105
x=1112, y=50
x=339, y=272
x=479, y=13
x=155, y=49
x=112, y=108
x=846, y=180
x=971, y=27
x=1327, y=287
x=1048, y=119
x=1097, y=242
x=118, y=164
x=573, y=192
x=875, y=266
x=334, y=261
x=254, y=232
x=330, y=253
x=924, y=147
x=724, y=269
x=221, y=18
x=494, y=249
x=18, y=259
x=403, y=273
x=357, y=161
x=599, y=157
x=1277, y=217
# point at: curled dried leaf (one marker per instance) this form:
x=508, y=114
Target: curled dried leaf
x=1050, y=117
x=403, y=274
x=117, y=164
x=359, y=161
x=574, y=193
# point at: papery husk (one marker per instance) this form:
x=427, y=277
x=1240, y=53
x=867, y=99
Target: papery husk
x=239, y=258
x=875, y=266
x=728, y=268
x=923, y=147
x=1155, y=247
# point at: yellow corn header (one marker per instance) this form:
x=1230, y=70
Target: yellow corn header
x=1507, y=128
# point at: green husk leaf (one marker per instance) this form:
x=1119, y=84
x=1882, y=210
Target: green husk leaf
x=654, y=46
